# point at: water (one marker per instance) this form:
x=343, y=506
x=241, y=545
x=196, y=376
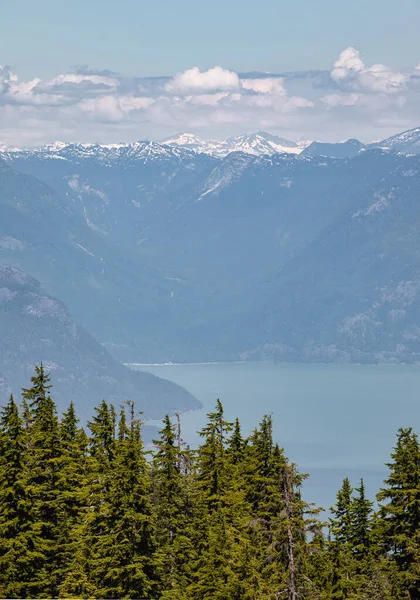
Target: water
x=332, y=420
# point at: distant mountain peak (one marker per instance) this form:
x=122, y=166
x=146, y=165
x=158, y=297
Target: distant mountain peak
x=187, y=145
x=407, y=142
x=13, y=277
x=257, y=144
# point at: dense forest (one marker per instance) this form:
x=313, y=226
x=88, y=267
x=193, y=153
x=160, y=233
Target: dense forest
x=94, y=514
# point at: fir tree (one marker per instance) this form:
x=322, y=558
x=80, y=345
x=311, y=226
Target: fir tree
x=400, y=512
x=35, y=396
x=17, y=556
x=236, y=445
x=39, y=530
x=341, y=545
x=121, y=561
x=73, y=485
x=360, y=532
x=211, y=457
x=171, y=495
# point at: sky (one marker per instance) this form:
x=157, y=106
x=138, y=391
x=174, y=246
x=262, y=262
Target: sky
x=101, y=70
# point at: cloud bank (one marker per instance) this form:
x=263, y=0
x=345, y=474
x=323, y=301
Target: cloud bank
x=350, y=99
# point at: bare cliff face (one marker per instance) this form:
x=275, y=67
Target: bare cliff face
x=36, y=327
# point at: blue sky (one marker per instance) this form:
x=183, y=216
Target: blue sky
x=80, y=70
x=161, y=37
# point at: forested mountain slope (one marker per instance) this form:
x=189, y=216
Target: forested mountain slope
x=199, y=258
x=35, y=327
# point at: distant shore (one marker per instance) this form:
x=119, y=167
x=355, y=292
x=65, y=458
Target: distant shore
x=171, y=364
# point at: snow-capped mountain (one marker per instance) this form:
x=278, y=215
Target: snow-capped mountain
x=126, y=153
x=180, y=146
x=407, y=142
x=256, y=144
x=194, y=143
x=168, y=240
x=186, y=146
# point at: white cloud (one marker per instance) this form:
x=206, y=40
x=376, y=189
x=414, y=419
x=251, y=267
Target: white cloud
x=267, y=85
x=6, y=77
x=352, y=99
x=348, y=63
x=214, y=79
x=207, y=99
x=106, y=108
x=333, y=100
x=129, y=103
x=78, y=78
x=349, y=71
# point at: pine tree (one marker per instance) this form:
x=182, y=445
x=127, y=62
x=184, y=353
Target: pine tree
x=35, y=396
x=171, y=498
x=399, y=516
x=360, y=532
x=102, y=440
x=72, y=484
x=34, y=438
x=236, y=445
x=90, y=517
x=212, y=456
x=218, y=515
x=17, y=552
x=260, y=471
x=319, y=566
x=121, y=560
x=96, y=455
x=341, y=547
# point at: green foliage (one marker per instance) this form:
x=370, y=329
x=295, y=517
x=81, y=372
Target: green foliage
x=399, y=515
x=89, y=516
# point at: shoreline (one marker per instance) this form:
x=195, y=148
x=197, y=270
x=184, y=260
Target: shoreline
x=194, y=364
x=269, y=362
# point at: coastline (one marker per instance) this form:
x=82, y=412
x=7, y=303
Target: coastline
x=171, y=364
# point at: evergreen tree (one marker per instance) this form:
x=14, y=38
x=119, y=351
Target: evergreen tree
x=90, y=532
x=360, y=532
x=341, y=547
x=73, y=480
x=218, y=516
x=34, y=397
x=399, y=514
x=121, y=561
x=17, y=555
x=172, y=497
x=212, y=457
x=90, y=517
x=236, y=445
x=36, y=543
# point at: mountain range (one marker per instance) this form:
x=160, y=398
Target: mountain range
x=168, y=253
x=177, y=147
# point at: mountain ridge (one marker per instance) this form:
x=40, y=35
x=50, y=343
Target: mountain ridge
x=37, y=327
x=196, y=258
x=184, y=145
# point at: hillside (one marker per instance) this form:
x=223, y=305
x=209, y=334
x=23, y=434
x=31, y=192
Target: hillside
x=37, y=327
x=198, y=258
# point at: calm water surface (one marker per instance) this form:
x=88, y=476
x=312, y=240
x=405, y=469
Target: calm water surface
x=333, y=420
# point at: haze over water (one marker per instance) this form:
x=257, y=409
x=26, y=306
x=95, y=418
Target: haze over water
x=332, y=420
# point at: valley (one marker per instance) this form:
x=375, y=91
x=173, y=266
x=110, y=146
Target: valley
x=198, y=257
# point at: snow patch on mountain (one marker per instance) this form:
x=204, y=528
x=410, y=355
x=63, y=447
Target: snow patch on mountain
x=187, y=145
x=82, y=188
x=407, y=142
x=225, y=173
x=256, y=144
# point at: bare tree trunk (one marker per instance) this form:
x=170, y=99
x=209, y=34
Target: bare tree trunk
x=288, y=498
x=178, y=439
